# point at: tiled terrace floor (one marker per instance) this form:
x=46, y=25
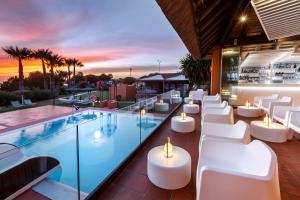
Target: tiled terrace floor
x=19, y=118
x=132, y=183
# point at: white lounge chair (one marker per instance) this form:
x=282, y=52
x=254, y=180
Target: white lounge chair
x=233, y=171
x=268, y=104
x=214, y=105
x=216, y=115
x=282, y=113
x=70, y=99
x=257, y=99
x=238, y=132
x=294, y=122
x=16, y=104
x=28, y=102
x=85, y=101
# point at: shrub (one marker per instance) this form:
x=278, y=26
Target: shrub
x=7, y=97
x=37, y=94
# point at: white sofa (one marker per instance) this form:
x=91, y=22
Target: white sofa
x=217, y=115
x=268, y=104
x=238, y=132
x=233, y=171
x=257, y=99
x=282, y=113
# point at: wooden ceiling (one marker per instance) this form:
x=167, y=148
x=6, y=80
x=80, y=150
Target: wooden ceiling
x=202, y=24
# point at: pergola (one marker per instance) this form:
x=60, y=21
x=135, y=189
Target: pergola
x=207, y=26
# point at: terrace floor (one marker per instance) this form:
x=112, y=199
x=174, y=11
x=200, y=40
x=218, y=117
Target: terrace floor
x=20, y=118
x=132, y=182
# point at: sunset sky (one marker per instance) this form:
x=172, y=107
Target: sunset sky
x=106, y=35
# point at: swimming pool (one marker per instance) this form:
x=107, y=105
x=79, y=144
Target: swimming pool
x=105, y=140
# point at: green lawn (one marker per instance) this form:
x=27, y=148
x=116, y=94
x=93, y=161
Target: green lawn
x=120, y=104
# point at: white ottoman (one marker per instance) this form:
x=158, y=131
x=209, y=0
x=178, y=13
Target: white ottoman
x=169, y=173
x=274, y=133
x=161, y=107
x=180, y=125
x=187, y=99
x=191, y=108
x=176, y=99
x=248, y=111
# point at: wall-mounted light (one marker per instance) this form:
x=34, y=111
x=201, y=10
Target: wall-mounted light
x=168, y=148
x=191, y=102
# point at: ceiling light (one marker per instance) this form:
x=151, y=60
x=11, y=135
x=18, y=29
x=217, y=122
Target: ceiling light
x=243, y=18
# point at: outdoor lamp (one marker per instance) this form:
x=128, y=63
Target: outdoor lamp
x=191, y=102
x=247, y=104
x=183, y=115
x=168, y=148
x=267, y=120
x=161, y=101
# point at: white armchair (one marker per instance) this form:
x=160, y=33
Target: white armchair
x=239, y=132
x=282, y=113
x=237, y=171
x=257, y=99
x=211, y=100
x=197, y=95
x=294, y=122
x=268, y=104
x=212, y=105
x=216, y=115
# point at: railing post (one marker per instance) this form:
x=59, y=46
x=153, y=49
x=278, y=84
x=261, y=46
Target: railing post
x=78, y=165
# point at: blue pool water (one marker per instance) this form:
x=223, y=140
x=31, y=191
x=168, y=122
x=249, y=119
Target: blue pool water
x=104, y=142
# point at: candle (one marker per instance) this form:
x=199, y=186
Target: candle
x=183, y=115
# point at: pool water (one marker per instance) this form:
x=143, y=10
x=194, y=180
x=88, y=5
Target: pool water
x=104, y=142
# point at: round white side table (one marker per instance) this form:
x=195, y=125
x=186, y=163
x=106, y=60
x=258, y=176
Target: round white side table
x=169, y=173
x=161, y=107
x=275, y=132
x=248, y=111
x=191, y=108
x=180, y=125
x=176, y=99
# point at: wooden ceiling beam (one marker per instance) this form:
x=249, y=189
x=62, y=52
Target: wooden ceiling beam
x=233, y=18
x=214, y=17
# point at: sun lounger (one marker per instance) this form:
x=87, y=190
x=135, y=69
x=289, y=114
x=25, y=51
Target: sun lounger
x=28, y=102
x=16, y=104
x=71, y=99
x=85, y=101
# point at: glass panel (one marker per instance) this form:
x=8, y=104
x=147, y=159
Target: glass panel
x=230, y=74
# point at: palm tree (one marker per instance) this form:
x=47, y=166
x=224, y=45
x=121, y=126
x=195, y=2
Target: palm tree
x=76, y=63
x=19, y=54
x=69, y=62
x=42, y=54
x=197, y=71
x=53, y=60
